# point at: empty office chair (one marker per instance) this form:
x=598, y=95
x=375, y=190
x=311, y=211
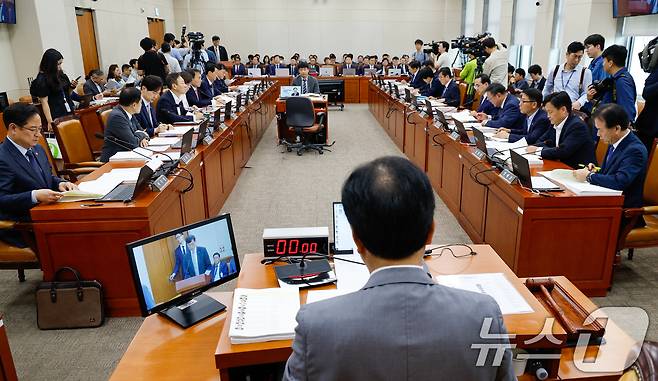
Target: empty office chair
x=72, y=174
x=104, y=114
x=301, y=119
x=631, y=236
x=16, y=258
x=74, y=145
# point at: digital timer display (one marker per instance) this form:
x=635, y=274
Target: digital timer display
x=277, y=247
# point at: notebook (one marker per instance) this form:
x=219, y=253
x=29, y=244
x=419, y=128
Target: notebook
x=260, y=315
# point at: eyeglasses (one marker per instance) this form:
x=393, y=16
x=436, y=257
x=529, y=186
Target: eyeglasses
x=522, y=101
x=34, y=130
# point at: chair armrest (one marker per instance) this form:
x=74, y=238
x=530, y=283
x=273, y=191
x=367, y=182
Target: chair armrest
x=643, y=211
x=84, y=164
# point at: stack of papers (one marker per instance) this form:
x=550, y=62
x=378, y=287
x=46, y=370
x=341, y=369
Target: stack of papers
x=78, y=195
x=495, y=285
x=580, y=188
x=131, y=155
x=260, y=315
x=519, y=147
x=163, y=141
x=351, y=276
x=177, y=131
x=108, y=181
x=463, y=116
x=318, y=295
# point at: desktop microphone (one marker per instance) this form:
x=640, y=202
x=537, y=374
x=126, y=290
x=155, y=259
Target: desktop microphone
x=127, y=145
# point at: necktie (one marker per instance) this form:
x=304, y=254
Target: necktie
x=527, y=125
x=608, y=156
x=181, y=108
x=304, y=86
x=36, y=168
x=148, y=111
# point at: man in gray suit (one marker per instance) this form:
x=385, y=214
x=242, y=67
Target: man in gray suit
x=307, y=83
x=122, y=125
x=401, y=325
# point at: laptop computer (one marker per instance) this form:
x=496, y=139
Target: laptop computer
x=481, y=143
x=238, y=102
x=521, y=169
x=343, y=241
x=203, y=127
x=369, y=71
x=326, y=72
x=186, y=142
x=394, y=72
x=428, y=108
x=441, y=118
x=254, y=72
x=349, y=71
x=463, y=135
x=128, y=191
x=397, y=91
x=290, y=91
x=282, y=72
x=407, y=95
x=227, y=112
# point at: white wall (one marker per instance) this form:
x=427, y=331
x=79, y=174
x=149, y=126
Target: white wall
x=8, y=81
x=319, y=26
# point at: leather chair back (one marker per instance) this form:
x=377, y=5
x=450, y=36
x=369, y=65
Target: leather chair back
x=299, y=112
x=73, y=142
x=640, y=107
x=650, y=192
x=463, y=87
x=104, y=115
x=601, y=150
x=456, y=72
x=3, y=129
x=44, y=144
x=476, y=101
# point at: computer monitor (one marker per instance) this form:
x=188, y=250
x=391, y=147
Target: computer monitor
x=4, y=101
x=238, y=102
x=227, y=111
x=343, y=241
x=428, y=108
x=254, y=72
x=326, y=72
x=171, y=270
x=407, y=95
x=290, y=91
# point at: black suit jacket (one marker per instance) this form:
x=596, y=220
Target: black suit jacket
x=120, y=127
x=169, y=112
x=197, y=98
x=575, y=146
x=17, y=181
x=451, y=94
x=91, y=88
x=238, y=70
x=149, y=124
x=539, y=85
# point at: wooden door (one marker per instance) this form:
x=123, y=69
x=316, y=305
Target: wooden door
x=156, y=30
x=87, y=32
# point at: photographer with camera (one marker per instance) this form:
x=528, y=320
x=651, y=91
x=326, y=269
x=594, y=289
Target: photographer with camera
x=198, y=56
x=495, y=66
x=620, y=87
x=420, y=55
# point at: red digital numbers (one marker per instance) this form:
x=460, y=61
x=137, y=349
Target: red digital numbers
x=293, y=246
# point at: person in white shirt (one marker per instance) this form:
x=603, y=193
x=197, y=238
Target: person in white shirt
x=495, y=66
x=172, y=62
x=444, y=58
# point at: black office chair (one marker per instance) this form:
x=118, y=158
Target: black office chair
x=301, y=119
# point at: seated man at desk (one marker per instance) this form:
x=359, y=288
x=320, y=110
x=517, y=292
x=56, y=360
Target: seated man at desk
x=276, y=64
x=147, y=117
x=426, y=76
x=96, y=84
x=569, y=140
x=123, y=126
x=625, y=163
x=195, y=96
x=238, y=68
x=308, y=84
x=173, y=106
x=450, y=92
x=414, y=81
x=481, y=84
x=509, y=115
x=26, y=178
x=401, y=321
x=536, y=121
x=220, y=82
x=208, y=82
x=349, y=64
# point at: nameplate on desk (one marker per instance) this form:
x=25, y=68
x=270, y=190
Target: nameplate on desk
x=159, y=183
x=187, y=158
x=479, y=154
x=454, y=136
x=508, y=176
x=207, y=140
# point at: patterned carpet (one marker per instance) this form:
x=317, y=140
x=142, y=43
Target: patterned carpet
x=279, y=190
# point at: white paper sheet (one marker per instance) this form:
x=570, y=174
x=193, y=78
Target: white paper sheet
x=263, y=315
x=495, y=285
x=318, y=295
x=171, y=155
x=108, y=181
x=580, y=188
x=163, y=141
x=130, y=156
x=351, y=276
x=463, y=116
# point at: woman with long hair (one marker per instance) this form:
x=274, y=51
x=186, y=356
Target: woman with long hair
x=52, y=87
x=114, y=81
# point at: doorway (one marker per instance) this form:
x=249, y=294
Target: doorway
x=87, y=32
x=156, y=30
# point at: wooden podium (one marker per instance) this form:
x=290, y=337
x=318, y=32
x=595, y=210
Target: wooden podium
x=182, y=286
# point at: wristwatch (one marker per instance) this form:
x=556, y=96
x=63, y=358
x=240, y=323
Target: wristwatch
x=589, y=177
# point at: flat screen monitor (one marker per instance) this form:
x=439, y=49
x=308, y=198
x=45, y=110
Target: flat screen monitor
x=254, y=72
x=343, y=241
x=624, y=8
x=8, y=12
x=171, y=270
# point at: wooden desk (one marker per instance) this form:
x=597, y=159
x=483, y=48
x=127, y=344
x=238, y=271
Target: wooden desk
x=535, y=235
x=93, y=240
x=92, y=125
x=7, y=368
x=282, y=128
x=526, y=326
x=162, y=350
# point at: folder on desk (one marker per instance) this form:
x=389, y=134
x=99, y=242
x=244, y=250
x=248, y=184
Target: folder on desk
x=260, y=315
x=326, y=72
x=349, y=72
x=282, y=73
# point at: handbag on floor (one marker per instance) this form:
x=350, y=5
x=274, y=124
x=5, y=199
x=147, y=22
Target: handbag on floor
x=69, y=304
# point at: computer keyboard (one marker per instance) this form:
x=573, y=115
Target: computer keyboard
x=121, y=192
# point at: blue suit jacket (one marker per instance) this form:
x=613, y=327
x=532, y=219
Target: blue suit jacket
x=207, y=90
x=149, y=124
x=183, y=264
x=434, y=89
x=540, y=124
x=17, y=181
x=416, y=82
x=451, y=94
x=271, y=70
x=220, y=86
x=625, y=171
x=168, y=110
x=238, y=70
x=575, y=146
x=203, y=260
x=197, y=98
x=488, y=108
x=509, y=116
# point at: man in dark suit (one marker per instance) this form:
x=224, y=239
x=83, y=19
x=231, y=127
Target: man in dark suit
x=173, y=106
x=123, y=126
x=195, y=96
x=147, y=117
x=307, y=83
x=520, y=82
x=349, y=65
x=207, y=87
x=25, y=175
x=390, y=204
x=625, y=164
x=509, y=115
x=215, y=268
x=276, y=64
x=199, y=255
x=292, y=68
x=536, y=123
x=414, y=81
x=569, y=140
x=538, y=80
x=450, y=93
x=238, y=68
x=217, y=50
x=183, y=260
x=647, y=121
x=480, y=84
x=220, y=82
x=96, y=84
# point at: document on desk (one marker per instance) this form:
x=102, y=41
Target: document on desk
x=495, y=285
x=78, y=195
x=260, y=315
x=319, y=295
x=351, y=276
x=131, y=156
x=580, y=188
x=463, y=116
x=162, y=141
x=108, y=181
x=177, y=131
